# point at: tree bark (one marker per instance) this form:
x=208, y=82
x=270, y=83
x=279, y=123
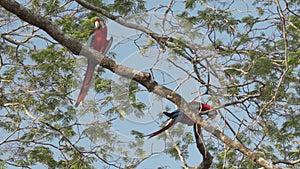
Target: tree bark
x=207, y=157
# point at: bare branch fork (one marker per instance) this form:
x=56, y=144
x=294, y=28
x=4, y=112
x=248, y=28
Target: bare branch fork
x=143, y=78
x=207, y=157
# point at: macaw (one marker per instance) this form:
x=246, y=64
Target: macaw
x=178, y=116
x=97, y=41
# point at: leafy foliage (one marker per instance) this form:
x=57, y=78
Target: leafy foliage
x=254, y=44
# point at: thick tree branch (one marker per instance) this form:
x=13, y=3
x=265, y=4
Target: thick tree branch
x=207, y=157
x=141, y=77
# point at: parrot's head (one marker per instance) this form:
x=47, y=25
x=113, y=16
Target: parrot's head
x=99, y=24
x=202, y=106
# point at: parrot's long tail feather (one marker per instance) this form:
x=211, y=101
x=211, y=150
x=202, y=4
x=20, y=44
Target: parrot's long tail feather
x=161, y=130
x=86, y=82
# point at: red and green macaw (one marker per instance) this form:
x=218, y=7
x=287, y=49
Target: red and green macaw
x=178, y=116
x=97, y=41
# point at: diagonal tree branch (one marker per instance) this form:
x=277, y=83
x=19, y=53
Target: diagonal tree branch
x=143, y=78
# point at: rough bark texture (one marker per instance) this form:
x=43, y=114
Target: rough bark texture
x=141, y=77
x=43, y=23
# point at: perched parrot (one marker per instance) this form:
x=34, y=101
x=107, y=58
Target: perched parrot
x=97, y=41
x=178, y=116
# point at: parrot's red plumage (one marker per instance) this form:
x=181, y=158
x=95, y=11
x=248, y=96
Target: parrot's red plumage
x=178, y=116
x=97, y=41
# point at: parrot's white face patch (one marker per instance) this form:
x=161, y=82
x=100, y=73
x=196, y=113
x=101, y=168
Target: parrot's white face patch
x=97, y=24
